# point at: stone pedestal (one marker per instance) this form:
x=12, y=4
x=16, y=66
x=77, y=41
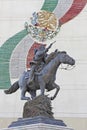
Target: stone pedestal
x=40, y=127
x=38, y=123
x=38, y=115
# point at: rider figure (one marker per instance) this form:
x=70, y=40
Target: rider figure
x=39, y=59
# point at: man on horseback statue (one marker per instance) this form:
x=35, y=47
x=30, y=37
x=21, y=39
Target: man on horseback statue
x=45, y=77
x=39, y=60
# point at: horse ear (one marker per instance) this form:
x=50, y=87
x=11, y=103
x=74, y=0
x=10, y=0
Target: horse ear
x=56, y=50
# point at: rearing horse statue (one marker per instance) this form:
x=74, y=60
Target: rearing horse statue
x=45, y=79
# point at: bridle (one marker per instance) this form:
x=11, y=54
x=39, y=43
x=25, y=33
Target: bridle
x=67, y=67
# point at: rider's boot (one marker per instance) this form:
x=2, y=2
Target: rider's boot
x=31, y=76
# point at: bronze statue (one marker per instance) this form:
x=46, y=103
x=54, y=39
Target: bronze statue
x=43, y=79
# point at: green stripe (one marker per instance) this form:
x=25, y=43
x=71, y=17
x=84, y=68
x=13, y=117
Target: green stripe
x=49, y=5
x=5, y=54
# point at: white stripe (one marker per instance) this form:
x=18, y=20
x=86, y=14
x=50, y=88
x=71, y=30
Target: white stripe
x=62, y=7
x=18, y=57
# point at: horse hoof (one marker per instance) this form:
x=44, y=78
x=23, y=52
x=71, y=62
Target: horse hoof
x=25, y=98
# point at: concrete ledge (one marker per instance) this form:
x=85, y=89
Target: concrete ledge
x=36, y=120
x=39, y=126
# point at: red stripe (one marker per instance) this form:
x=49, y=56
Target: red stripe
x=75, y=9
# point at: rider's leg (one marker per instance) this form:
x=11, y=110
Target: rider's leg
x=31, y=74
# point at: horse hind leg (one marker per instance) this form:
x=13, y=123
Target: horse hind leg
x=33, y=94
x=23, y=97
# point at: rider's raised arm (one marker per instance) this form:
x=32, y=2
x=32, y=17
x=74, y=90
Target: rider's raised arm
x=47, y=49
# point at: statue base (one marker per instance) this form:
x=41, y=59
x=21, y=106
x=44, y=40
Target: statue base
x=37, y=114
x=38, y=123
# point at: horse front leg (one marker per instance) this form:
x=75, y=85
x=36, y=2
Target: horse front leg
x=54, y=85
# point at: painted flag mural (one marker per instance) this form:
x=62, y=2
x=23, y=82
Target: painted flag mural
x=17, y=51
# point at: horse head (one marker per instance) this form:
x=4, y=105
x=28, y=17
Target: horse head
x=65, y=58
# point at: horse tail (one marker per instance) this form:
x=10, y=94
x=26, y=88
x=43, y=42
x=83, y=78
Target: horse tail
x=13, y=88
